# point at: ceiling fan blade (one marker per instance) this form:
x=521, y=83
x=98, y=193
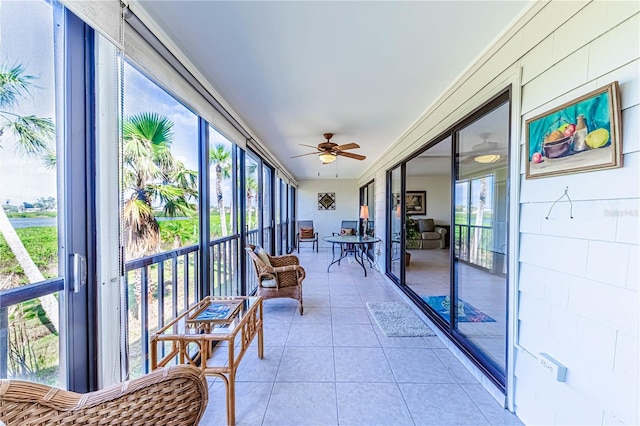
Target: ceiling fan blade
x=308, y=146
x=350, y=155
x=347, y=146
x=302, y=155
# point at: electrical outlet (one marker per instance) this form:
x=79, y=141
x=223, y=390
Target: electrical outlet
x=552, y=367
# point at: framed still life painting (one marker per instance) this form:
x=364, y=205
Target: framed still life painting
x=579, y=136
x=416, y=202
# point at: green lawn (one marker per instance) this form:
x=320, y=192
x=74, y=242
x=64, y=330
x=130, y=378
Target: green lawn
x=30, y=328
x=31, y=215
x=461, y=218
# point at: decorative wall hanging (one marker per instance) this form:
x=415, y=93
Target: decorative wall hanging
x=416, y=202
x=579, y=136
x=326, y=200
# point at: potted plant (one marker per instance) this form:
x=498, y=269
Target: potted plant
x=411, y=227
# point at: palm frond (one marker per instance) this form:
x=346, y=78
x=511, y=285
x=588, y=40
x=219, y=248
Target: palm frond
x=186, y=179
x=251, y=183
x=13, y=84
x=151, y=126
x=50, y=159
x=33, y=133
x=136, y=212
x=142, y=234
x=179, y=206
x=220, y=157
x=172, y=198
x=164, y=158
x=165, y=192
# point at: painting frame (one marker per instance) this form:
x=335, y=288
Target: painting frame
x=549, y=153
x=415, y=202
x=326, y=200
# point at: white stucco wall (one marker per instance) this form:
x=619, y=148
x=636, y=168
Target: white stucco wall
x=573, y=282
x=578, y=287
x=328, y=221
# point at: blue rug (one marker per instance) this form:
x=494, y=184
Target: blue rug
x=466, y=312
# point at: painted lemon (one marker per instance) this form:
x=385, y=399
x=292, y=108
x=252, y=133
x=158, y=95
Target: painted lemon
x=597, y=139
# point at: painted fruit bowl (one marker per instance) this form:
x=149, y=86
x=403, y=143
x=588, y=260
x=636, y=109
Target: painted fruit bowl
x=557, y=148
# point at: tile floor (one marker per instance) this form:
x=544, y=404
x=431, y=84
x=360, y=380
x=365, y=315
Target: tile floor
x=333, y=365
x=428, y=275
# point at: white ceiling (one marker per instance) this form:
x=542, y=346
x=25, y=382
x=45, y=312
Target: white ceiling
x=365, y=71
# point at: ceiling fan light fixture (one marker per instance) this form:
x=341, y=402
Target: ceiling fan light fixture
x=488, y=158
x=327, y=157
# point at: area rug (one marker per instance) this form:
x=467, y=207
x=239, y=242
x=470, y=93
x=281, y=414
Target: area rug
x=465, y=313
x=396, y=319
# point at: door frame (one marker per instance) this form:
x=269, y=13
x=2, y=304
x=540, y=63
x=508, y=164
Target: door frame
x=497, y=377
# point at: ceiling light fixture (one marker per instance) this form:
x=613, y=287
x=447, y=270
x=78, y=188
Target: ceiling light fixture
x=488, y=158
x=327, y=157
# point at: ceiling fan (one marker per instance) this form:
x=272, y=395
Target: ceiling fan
x=485, y=152
x=328, y=151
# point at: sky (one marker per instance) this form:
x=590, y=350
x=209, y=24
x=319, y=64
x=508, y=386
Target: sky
x=143, y=95
x=26, y=30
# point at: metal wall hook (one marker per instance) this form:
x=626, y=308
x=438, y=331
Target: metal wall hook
x=566, y=194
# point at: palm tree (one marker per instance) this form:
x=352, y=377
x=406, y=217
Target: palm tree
x=220, y=158
x=475, y=244
x=252, y=191
x=151, y=174
x=33, y=136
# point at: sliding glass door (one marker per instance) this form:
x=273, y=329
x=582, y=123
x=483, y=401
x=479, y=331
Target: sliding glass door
x=367, y=198
x=428, y=230
x=447, y=213
x=395, y=252
x=481, y=211
x=47, y=262
x=267, y=208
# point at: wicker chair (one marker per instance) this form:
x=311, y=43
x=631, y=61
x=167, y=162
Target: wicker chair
x=175, y=395
x=283, y=278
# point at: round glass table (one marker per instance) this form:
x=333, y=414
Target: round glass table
x=358, y=245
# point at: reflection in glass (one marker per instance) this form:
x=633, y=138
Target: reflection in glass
x=367, y=198
x=480, y=235
x=429, y=272
x=395, y=215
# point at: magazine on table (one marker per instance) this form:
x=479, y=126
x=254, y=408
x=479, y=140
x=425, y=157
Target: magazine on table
x=217, y=311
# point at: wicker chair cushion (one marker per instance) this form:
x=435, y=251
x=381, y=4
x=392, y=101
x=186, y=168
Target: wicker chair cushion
x=288, y=276
x=268, y=283
x=347, y=231
x=306, y=233
x=262, y=254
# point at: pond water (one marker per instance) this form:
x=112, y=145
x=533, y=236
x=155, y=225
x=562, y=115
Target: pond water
x=31, y=222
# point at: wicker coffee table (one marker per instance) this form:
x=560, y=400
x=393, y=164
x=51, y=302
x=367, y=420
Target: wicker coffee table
x=192, y=336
